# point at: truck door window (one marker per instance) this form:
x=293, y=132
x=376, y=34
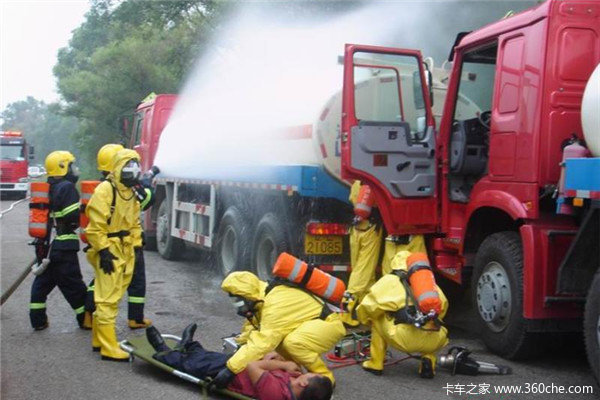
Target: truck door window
x=469, y=141
x=388, y=88
x=137, y=133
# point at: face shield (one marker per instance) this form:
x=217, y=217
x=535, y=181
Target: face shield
x=130, y=174
x=243, y=307
x=72, y=173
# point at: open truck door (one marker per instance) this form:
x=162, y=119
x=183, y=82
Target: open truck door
x=388, y=135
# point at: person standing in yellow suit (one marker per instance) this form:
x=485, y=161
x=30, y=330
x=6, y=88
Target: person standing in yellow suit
x=365, y=246
x=113, y=232
x=287, y=319
x=379, y=309
x=397, y=243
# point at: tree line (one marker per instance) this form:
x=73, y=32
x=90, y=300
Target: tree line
x=123, y=51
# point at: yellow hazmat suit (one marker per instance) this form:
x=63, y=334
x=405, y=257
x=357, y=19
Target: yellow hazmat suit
x=365, y=245
x=394, y=245
x=385, y=297
x=119, y=231
x=288, y=322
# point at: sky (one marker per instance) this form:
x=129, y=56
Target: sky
x=31, y=32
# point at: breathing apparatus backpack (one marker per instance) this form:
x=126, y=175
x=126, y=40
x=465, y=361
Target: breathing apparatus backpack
x=39, y=210
x=315, y=281
x=420, y=287
x=87, y=190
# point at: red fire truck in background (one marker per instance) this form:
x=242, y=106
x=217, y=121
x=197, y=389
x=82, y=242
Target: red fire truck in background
x=14, y=157
x=483, y=187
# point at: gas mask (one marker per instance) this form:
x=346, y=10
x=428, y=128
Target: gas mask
x=130, y=174
x=72, y=173
x=243, y=307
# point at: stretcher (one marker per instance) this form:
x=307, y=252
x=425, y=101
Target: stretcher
x=139, y=347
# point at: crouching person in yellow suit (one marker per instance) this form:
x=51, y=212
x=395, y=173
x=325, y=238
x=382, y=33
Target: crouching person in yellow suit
x=385, y=304
x=283, y=318
x=113, y=232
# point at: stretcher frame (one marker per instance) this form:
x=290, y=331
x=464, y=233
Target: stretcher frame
x=138, y=346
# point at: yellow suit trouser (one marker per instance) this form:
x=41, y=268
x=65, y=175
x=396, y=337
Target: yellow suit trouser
x=305, y=344
x=110, y=288
x=415, y=245
x=365, y=245
x=404, y=337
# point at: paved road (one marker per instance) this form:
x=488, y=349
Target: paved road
x=58, y=363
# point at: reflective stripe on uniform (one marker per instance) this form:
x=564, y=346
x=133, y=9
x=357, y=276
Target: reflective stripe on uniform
x=428, y=295
x=296, y=270
x=68, y=236
x=137, y=300
x=91, y=288
x=65, y=211
x=79, y=310
x=37, y=306
x=147, y=199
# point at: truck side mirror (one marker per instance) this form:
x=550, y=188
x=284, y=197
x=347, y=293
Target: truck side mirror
x=31, y=152
x=429, y=77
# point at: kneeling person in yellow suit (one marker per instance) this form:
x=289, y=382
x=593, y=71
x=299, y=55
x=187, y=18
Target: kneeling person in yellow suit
x=113, y=232
x=380, y=309
x=283, y=318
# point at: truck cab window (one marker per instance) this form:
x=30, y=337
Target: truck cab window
x=12, y=153
x=137, y=129
x=469, y=141
x=388, y=89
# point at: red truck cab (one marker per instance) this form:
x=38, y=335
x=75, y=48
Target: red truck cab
x=14, y=156
x=481, y=186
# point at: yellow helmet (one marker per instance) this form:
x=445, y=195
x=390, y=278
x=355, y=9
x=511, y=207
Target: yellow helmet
x=105, y=156
x=57, y=163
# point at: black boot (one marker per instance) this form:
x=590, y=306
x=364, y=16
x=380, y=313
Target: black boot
x=156, y=340
x=186, y=336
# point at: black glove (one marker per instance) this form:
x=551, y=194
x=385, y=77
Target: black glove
x=223, y=378
x=41, y=249
x=106, y=261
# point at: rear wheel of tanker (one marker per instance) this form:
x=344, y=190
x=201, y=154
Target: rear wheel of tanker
x=497, y=290
x=233, y=242
x=269, y=241
x=169, y=247
x=591, y=326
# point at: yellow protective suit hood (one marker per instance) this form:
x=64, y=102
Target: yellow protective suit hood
x=121, y=158
x=244, y=284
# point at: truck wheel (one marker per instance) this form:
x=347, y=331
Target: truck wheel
x=233, y=242
x=497, y=290
x=269, y=241
x=169, y=247
x=591, y=326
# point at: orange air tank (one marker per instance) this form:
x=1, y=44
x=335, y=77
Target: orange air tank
x=39, y=209
x=422, y=283
x=87, y=190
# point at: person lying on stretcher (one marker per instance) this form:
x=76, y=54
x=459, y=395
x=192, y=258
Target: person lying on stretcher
x=271, y=378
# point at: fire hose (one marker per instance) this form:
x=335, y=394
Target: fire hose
x=19, y=280
x=12, y=206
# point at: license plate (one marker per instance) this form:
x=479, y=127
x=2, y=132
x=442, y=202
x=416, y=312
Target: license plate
x=322, y=244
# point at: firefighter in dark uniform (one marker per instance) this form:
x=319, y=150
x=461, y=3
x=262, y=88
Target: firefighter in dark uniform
x=137, y=288
x=63, y=270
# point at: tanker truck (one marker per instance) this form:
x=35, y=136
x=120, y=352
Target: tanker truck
x=247, y=216
x=485, y=188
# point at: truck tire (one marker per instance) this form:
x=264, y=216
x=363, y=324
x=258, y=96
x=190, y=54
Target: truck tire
x=233, y=242
x=591, y=326
x=269, y=241
x=497, y=290
x=169, y=247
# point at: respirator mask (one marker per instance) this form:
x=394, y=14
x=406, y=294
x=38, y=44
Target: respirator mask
x=243, y=307
x=72, y=173
x=130, y=174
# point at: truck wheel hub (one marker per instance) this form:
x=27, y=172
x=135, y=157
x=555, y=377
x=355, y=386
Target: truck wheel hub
x=229, y=251
x=598, y=331
x=162, y=228
x=493, y=296
x=265, y=258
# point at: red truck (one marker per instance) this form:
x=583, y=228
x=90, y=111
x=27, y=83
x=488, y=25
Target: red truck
x=481, y=187
x=14, y=158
